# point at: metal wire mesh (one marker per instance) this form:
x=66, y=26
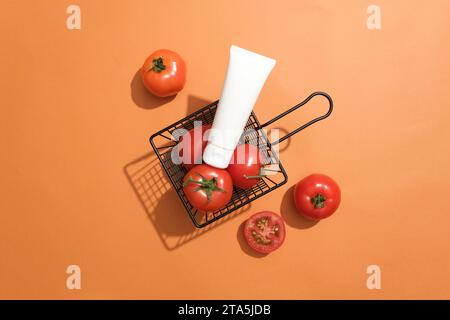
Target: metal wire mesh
x=162, y=143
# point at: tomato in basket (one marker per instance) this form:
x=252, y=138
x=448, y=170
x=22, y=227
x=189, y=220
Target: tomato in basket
x=208, y=188
x=245, y=166
x=191, y=152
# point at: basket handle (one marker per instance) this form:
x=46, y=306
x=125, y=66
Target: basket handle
x=312, y=95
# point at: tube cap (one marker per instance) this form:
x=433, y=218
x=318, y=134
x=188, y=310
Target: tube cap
x=216, y=156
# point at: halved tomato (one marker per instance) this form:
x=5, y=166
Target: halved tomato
x=265, y=231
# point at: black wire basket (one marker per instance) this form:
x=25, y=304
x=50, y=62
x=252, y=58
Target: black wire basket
x=162, y=143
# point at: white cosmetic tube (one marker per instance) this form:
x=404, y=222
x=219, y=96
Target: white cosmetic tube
x=246, y=75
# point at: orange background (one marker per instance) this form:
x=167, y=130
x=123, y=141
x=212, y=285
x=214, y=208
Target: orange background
x=75, y=122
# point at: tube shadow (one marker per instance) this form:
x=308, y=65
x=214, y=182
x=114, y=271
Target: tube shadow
x=142, y=97
x=290, y=214
x=195, y=103
x=162, y=204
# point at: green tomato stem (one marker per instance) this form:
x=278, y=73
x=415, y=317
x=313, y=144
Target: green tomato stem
x=158, y=65
x=204, y=184
x=318, y=201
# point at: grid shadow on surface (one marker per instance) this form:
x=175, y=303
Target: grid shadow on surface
x=161, y=203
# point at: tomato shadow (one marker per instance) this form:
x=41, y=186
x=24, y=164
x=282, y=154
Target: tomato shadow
x=244, y=245
x=290, y=214
x=162, y=204
x=142, y=97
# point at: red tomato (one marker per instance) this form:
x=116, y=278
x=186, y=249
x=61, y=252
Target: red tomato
x=317, y=196
x=164, y=73
x=265, y=231
x=208, y=188
x=198, y=142
x=245, y=166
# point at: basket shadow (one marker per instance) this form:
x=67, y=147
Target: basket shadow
x=142, y=97
x=162, y=204
x=290, y=214
x=283, y=146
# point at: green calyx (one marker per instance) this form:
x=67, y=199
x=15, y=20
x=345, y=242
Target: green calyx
x=318, y=201
x=158, y=65
x=204, y=184
x=259, y=176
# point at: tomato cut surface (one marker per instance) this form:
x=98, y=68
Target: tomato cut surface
x=265, y=231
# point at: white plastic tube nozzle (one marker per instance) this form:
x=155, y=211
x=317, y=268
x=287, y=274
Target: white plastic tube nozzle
x=247, y=72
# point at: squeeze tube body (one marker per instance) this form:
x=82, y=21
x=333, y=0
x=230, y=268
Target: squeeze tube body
x=247, y=72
